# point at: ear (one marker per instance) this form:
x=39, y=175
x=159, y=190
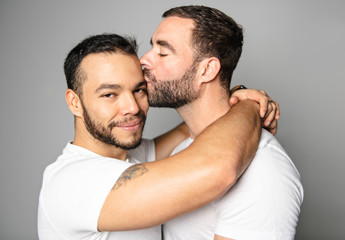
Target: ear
x=209, y=69
x=74, y=103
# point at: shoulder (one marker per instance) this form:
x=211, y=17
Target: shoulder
x=273, y=169
x=76, y=160
x=75, y=187
x=78, y=169
x=271, y=156
x=268, y=194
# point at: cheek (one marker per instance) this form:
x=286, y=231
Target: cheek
x=144, y=104
x=163, y=68
x=173, y=71
x=105, y=112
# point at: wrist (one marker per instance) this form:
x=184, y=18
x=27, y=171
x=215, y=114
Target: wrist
x=238, y=87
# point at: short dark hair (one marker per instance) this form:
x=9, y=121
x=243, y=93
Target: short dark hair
x=102, y=43
x=215, y=35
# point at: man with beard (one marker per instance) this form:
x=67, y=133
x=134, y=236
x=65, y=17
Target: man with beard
x=97, y=189
x=195, y=50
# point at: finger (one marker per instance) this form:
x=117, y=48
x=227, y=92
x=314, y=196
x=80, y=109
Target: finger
x=264, y=104
x=277, y=111
x=263, y=92
x=234, y=101
x=270, y=116
x=276, y=107
x=273, y=127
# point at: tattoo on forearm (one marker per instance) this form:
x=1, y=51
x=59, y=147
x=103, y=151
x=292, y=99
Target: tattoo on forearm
x=131, y=172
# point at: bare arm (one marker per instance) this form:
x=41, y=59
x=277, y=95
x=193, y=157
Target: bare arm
x=152, y=193
x=269, y=111
x=217, y=237
x=167, y=142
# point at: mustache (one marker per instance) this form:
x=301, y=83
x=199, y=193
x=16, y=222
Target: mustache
x=139, y=116
x=147, y=73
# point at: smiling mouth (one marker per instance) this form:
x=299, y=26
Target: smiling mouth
x=130, y=126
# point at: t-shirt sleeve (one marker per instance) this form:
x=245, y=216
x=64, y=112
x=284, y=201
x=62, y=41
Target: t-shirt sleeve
x=75, y=195
x=265, y=202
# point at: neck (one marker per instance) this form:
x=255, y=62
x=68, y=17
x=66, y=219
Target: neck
x=84, y=139
x=212, y=103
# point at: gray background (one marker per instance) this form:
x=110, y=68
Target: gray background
x=293, y=49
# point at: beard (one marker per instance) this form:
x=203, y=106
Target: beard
x=105, y=135
x=172, y=93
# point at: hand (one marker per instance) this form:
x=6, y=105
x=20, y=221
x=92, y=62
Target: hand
x=269, y=109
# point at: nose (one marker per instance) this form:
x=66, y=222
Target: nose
x=146, y=60
x=128, y=105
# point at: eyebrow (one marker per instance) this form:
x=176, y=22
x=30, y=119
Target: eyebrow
x=164, y=44
x=108, y=86
x=142, y=83
x=116, y=86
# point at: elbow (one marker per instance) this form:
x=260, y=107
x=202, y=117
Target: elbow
x=236, y=164
x=229, y=178
x=224, y=178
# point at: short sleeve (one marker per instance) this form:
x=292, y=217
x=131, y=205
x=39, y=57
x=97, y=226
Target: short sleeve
x=265, y=202
x=79, y=189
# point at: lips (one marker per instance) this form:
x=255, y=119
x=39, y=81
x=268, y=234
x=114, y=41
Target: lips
x=147, y=75
x=147, y=80
x=130, y=126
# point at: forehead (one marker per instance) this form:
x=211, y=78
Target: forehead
x=111, y=68
x=175, y=30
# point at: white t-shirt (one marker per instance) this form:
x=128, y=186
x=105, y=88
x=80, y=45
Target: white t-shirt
x=263, y=204
x=74, y=189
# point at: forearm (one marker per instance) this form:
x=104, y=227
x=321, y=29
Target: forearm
x=218, y=237
x=215, y=160
x=233, y=139
x=161, y=190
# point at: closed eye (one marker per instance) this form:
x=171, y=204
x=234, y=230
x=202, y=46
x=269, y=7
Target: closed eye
x=141, y=90
x=108, y=95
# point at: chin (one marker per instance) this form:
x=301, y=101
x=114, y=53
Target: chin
x=129, y=145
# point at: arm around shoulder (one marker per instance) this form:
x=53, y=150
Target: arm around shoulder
x=159, y=191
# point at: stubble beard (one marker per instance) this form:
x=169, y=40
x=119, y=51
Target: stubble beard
x=105, y=135
x=172, y=93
